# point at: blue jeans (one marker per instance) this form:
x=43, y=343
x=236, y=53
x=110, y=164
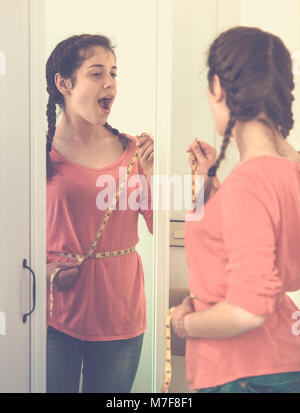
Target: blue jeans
x=270, y=383
x=108, y=366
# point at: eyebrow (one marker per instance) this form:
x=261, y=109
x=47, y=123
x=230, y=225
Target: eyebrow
x=113, y=67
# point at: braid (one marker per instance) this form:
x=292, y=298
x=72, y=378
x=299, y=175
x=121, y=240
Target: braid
x=51, y=117
x=279, y=105
x=111, y=129
x=123, y=139
x=213, y=169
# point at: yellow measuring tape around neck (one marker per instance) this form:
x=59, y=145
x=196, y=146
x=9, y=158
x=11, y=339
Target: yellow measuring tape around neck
x=80, y=258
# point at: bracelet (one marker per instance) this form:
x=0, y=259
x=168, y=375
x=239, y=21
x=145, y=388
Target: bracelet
x=180, y=326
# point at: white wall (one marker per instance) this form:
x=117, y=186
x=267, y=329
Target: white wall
x=194, y=28
x=131, y=24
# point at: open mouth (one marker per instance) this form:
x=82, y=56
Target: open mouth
x=105, y=103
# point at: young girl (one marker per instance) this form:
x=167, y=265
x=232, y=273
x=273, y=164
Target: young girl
x=96, y=299
x=243, y=256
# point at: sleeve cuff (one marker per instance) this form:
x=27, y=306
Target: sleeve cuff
x=251, y=302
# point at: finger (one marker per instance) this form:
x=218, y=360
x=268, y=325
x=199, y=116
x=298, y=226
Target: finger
x=66, y=264
x=186, y=299
x=144, y=142
x=145, y=148
x=198, y=153
x=147, y=134
x=147, y=153
x=207, y=148
x=140, y=141
x=194, y=143
x=144, y=137
x=69, y=273
x=200, y=146
x=204, y=144
x=53, y=266
x=189, y=148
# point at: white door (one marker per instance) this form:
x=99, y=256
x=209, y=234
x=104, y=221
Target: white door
x=15, y=281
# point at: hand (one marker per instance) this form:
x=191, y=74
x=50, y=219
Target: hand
x=66, y=278
x=146, y=154
x=205, y=154
x=185, y=307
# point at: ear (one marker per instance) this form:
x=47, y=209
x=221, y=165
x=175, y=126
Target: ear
x=62, y=84
x=219, y=91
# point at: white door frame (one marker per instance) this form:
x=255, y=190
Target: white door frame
x=38, y=194
x=162, y=167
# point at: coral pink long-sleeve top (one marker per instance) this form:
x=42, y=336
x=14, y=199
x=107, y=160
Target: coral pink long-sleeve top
x=107, y=301
x=246, y=250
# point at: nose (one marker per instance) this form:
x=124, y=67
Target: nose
x=108, y=81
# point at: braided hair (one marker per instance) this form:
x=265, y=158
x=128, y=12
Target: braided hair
x=65, y=59
x=255, y=70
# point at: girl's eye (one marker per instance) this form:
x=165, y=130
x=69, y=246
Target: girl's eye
x=100, y=74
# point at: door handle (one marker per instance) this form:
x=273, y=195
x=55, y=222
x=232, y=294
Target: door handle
x=33, y=291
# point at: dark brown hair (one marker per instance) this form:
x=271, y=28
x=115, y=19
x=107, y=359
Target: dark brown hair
x=255, y=69
x=66, y=59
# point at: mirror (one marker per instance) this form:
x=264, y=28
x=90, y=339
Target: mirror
x=195, y=25
x=133, y=113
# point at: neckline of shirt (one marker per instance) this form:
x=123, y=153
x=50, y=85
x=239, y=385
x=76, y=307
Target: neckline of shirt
x=78, y=166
